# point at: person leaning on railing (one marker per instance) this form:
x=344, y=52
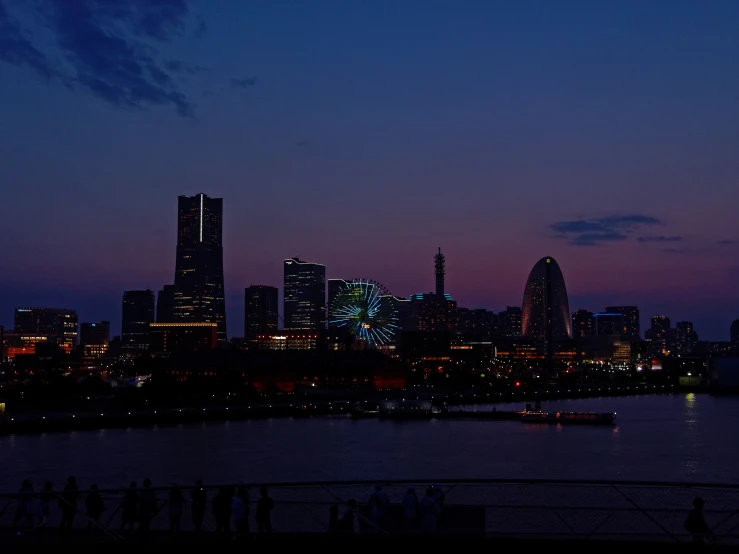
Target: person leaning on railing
x=696, y=524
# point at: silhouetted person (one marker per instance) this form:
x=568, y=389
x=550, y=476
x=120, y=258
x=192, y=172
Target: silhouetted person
x=265, y=504
x=198, y=500
x=176, y=507
x=130, y=507
x=696, y=524
x=23, y=504
x=410, y=508
x=439, y=505
x=334, y=526
x=240, y=509
x=45, y=501
x=222, y=510
x=94, y=507
x=429, y=511
x=147, y=506
x=347, y=520
x=378, y=503
x=68, y=504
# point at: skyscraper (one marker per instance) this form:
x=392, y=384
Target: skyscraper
x=165, y=304
x=138, y=312
x=582, y=324
x=304, y=295
x=631, y=325
x=545, y=314
x=260, y=311
x=198, y=282
x=734, y=332
x=440, y=272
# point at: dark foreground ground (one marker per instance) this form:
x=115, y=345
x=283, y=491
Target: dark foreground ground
x=158, y=541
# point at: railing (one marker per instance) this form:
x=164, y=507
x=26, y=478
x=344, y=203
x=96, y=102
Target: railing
x=601, y=510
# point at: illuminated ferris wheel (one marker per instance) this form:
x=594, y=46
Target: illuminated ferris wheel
x=366, y=309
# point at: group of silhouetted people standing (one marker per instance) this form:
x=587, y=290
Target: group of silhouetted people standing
x=139, y=506
x=418, y=515
x=232, y=506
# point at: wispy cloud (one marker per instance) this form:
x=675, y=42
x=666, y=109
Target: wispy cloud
x=244, y=83
x=660, y=239
x=727, y=242
x=107, y=48
x=595, y=231
x=17, y=48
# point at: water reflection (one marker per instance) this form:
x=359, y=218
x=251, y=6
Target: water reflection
x=682, y=437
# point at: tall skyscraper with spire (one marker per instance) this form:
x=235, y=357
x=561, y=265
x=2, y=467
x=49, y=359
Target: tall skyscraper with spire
x=439, y=265
x=198, y=282
x=433, y=312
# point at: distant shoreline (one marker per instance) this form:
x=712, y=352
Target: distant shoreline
x=60, y=422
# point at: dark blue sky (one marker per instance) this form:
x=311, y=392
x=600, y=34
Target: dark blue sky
x=364, y=135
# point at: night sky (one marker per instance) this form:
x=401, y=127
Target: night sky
x=364, y=135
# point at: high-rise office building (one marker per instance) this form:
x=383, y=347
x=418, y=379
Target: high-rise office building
x=51, y=325
x=545, y=314
x=138, y=312
x=304, y=296
x=660, y=328
x=94, y=339
x=582, y=324
x=94, y=334
x=165, y=304
x=608, y=324
x=260, y=311
x=509, y=322
x=479, y=324
x=198, y=282
x=631, y=326
x=686, y=339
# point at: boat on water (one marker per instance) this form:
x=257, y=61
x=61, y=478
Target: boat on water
x=412, y=409
x=592, y=418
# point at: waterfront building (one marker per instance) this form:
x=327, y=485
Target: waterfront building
x=167, y=338
x=94, y=340
x=686, y=339
x=304, y=302
x=288, y=340
x=631, y=326
x=476, y=324
x=199, y=295
x=545, y=313
x=260, y=311
x=582, y=324
x=509, y=322
x=52, y=325
x=659, y=329
x=734, y=333
x=607, y=324
x=137, y=314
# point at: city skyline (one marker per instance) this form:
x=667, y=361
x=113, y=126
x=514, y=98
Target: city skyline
x=602, y=135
